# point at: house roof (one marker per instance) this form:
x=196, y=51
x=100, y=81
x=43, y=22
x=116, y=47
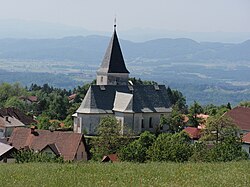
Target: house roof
x=123, y=102
x=4, y=148
x=193, y=132
x=241, y=117
x=13, y=112
x=53, y=148
x=111, y=157
x=72, y=97
x=31, y=98
x=146, y=98
x=9, y=121
x=246, y=138
x=113, y=61
x=66, y=143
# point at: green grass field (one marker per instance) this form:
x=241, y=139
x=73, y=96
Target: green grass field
x=126, y=174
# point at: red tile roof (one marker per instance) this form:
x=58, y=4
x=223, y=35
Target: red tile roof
x=67, y=143
x=29, y=98
x=72, y=97
x=193, y=132
x=111, y=157
x=246, y=138
x=241, y=117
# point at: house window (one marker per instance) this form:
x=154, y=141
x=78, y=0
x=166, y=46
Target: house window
x=150, y=122
x=142, y=123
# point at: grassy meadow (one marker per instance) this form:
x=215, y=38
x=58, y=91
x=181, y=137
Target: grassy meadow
x=126, y=174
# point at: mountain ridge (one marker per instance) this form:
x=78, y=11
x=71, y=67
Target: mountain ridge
x=82, y=48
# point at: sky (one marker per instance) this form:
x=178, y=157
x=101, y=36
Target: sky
x=98, y=15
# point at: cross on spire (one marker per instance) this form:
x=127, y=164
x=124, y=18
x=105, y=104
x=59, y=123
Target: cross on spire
x=115, y=22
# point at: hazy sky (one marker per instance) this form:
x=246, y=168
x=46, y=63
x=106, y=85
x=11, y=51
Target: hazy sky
x=182, y=15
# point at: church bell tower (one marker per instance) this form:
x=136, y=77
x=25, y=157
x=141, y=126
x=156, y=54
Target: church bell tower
x=113, y=70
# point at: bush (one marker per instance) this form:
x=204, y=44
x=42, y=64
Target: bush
x=200, y=152
x=168, y=147
x=136, y=151
x=228, y=150
x=24, y=156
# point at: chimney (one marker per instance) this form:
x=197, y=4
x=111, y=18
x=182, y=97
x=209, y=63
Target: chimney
x=32, y=129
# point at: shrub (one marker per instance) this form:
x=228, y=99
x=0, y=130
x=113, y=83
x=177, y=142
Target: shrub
x=228, y=150
x=168, y=147
x=24, y=156
x=136, y=151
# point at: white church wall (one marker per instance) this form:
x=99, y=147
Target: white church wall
x=152, y=121
x=89, y=123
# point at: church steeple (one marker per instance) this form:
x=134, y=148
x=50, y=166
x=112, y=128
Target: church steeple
x=113, y=70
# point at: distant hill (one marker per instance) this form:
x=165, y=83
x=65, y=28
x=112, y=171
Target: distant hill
x=91, y=49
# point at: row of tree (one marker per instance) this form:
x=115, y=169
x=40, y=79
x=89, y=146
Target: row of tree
x=219, y=142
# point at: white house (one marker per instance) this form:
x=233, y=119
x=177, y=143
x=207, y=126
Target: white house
x=246, y=143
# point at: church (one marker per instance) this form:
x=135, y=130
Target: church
x=136, y=107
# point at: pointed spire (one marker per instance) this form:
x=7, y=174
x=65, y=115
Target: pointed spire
x=113, y=61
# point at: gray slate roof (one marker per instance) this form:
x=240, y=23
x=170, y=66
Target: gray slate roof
x=146, y=98
x=113, y=61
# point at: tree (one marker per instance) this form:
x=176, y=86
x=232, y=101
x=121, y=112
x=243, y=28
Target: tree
x=219, y=128
x=213, y=110
x=171, y=147
x=227, y=150
x=7, y=91
x=194, y=110
x=108, y=140
x=245, y=103
x=178, y=100
x=16, y=103
x=175, y=121
x=43, y=122
x=136, y=151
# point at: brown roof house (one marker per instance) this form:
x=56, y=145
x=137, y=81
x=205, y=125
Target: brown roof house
x=71, y=146
x=29, y=99
x=110, y=158
x=193, y=133
x=241, y=117
x=11, y=118
x=136, y=107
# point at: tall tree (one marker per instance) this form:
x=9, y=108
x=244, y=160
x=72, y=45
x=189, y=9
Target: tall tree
x=108, y=140
x=218, y=128
x=194, y=110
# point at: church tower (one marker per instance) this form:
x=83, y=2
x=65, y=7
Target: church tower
x=113, y=70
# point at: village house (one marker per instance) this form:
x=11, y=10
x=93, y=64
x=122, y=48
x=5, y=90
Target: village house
x=11, y=118
x=6, y=152
x=194, y=133
x=70, y=146
x=136, y=107
x=110, y=158
x=29, y=99
x=241, y=117
x=246, y=143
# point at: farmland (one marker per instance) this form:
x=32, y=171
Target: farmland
x=126, y=174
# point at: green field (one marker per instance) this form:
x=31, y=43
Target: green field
x=126, y=174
